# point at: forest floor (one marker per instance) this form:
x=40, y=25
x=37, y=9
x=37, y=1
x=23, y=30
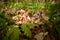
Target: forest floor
x=38, y=33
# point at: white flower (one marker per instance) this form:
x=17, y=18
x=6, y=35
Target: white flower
x=19, y=22
x=15, y=18
x=22, y=11
x=28, y=17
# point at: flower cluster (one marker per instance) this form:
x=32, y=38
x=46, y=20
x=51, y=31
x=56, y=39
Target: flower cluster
x=21, y=17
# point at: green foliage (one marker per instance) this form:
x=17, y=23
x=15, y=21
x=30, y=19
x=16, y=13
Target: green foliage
x=23, y=5
x=31, y=25
x=55, y=19
x=55, y=7
x=57, y=27
x=26, y=30
x=54, y=16
x=12, y=34
x=3, y=20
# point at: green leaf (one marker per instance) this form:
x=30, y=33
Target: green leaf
x=31, y=25
x=15, y=34
x=26, y=30
x=12, y=34
x=57, y=27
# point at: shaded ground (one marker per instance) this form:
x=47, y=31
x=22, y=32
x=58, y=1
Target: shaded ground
x=38, y=33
